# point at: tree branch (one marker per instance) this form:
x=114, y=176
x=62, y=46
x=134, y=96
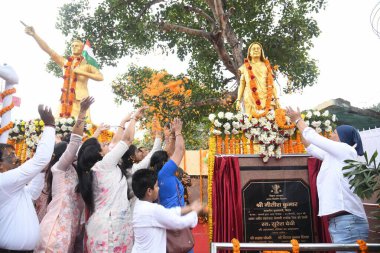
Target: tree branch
x=220, y=14
x=173, y=27
x=219, y=47
x=226, y=100
x=200, y=12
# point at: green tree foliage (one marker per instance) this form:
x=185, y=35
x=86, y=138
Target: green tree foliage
x=214, y=34
x=364, y=178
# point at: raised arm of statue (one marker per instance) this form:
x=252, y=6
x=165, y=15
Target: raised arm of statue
x=45, y=47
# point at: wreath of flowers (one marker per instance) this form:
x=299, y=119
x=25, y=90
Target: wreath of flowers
x=253, y=86
x=18, y=131
x=322, y=122
x=68, y=90
x=280, y=116
x=264, y=131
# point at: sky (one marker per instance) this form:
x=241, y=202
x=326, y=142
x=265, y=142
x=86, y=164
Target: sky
x=347, y=53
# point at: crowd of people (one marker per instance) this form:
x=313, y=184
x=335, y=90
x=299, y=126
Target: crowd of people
x=100, y=197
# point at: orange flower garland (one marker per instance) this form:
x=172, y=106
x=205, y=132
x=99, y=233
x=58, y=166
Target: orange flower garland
x=296, y=246
x=280, y=119
x=7, y=127
x=7, y=108
x=362, y=246
x=253, y=86
x=8, y=92
x=68, y=90
x=235, y=245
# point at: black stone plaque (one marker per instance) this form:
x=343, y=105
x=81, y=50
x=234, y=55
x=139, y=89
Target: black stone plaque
x=276, y=211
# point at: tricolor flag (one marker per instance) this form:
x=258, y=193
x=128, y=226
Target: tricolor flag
x=88, y=55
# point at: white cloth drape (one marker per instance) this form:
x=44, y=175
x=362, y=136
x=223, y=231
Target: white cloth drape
x=371, y=142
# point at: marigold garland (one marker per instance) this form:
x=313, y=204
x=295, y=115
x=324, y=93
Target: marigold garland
x=211, y=160
x=281, y=120
x=362, y=246
x=8, y=92
x=235, y=245
x=253, y=86
x=7, y=108
x=6, y=127
x=68, y=90
x=296, y=246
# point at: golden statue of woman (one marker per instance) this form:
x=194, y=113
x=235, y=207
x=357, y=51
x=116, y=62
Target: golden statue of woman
x=76, y=74
x=257, y=92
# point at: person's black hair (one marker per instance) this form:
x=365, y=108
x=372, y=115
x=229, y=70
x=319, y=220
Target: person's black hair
x=59, y=149
x=142, y=180
x=158, y=159
x=88, y=155
x=126, y=159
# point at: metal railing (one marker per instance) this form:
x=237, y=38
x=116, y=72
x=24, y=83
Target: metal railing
x=372, y=247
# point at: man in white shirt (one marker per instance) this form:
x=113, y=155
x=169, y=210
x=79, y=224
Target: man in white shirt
x=150, y=220
x=19, y=185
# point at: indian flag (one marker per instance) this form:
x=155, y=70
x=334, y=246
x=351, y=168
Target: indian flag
x=88, y=55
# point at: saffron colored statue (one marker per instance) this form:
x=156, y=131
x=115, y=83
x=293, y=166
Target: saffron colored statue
x=76, y=72
x=257, y=93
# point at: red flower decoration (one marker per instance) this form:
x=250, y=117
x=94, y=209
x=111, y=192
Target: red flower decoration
x=61, y=115
x=72, y=90
x=252, y=77
x=79, y=58
x=67, y=114
x=245, y=60
x=254, y=89
x=250, y=67
x=258, y=102
x=75, y=79
x=70, y=102
x=70, y=58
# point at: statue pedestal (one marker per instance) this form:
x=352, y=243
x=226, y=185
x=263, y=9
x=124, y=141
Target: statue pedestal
x=270, y=202
x=276, y=200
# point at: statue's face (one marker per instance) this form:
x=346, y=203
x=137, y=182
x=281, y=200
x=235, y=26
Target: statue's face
x=76, y=48
x=255, y=51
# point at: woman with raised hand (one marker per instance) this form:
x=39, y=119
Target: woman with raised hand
x=104, y=189
x=136, y=159
x=60, y=225
x=337, y=201
x=171, y=193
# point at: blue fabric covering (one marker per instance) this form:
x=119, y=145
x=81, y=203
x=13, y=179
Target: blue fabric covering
x=171, y=190
x=350, y=136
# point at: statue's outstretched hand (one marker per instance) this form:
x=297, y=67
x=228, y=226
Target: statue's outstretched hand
x=30, y=30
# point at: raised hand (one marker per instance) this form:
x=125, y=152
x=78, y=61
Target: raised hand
x=103, y=127
x=86, y=103
x=139, y=113
x=293, y=115
x=46, y=115
x=177, y=125
x=30, y=30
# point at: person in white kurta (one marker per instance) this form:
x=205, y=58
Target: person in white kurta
x=150, y=220
x=19, y=185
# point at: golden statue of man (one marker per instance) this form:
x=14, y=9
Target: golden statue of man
x=76, y=72
x=256, y=89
